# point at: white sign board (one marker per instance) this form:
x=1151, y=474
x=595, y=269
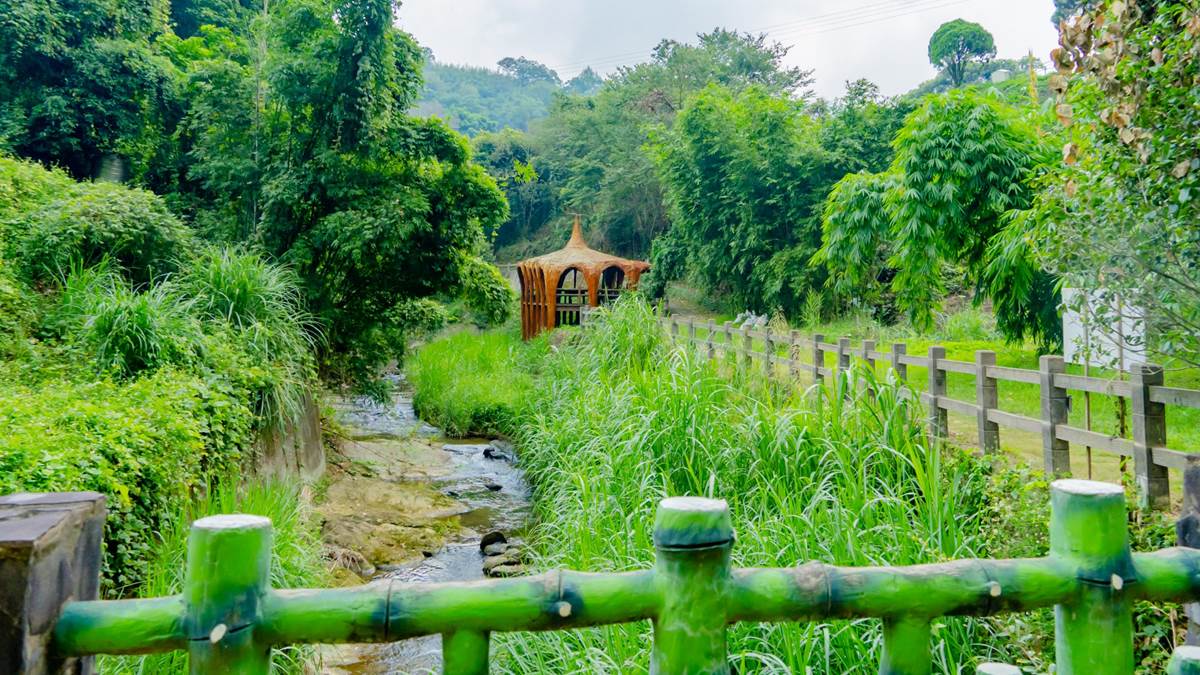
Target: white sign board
x=1098, y=330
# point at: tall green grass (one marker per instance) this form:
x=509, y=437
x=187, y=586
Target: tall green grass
x=473, y=383
x=295, y=563
x=619, y=420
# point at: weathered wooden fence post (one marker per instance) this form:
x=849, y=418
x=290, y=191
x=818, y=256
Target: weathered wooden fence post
x=729, y=351
x=49, y=555
x=843, y=356
x=768, y=352
x=674, y=330
x=692, y=541
x=868, y=346
x=818, y=358
x=691, y=330
x=711, y=327
x=227, y=574
x=1185, y=661
x=1187, y=533
x=906, y=647
x=987, y=397
x=899, y=349
x=939, y=420
x=1149, y=431
x=747, y=347
x=794, y=355
x=1094, y=632
x=1056, y=453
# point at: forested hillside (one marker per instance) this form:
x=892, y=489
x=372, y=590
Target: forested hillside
x=475, y=100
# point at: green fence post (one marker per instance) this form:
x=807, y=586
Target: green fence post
x=1185, y=661
x=465, y=652
x=1094, y=632
x=228, y=571
x=906, y=647
x=692, y=540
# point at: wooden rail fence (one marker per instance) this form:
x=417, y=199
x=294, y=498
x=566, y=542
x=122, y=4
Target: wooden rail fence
x=228, y=618
x=1144, y=389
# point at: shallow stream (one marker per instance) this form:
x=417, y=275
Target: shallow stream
x=414, y=505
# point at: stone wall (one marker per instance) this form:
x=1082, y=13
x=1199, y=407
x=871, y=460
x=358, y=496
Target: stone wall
x=297, y=451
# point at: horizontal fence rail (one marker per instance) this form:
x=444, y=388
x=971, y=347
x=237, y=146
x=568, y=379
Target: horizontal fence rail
x=228, y=618
x=1144, y=391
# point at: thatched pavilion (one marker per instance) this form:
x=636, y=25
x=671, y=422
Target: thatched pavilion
x=555, y=286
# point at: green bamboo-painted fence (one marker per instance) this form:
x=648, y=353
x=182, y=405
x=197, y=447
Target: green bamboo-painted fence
x=228, y=618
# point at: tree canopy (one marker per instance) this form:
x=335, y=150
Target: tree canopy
x=957, y=44
x=964, y=162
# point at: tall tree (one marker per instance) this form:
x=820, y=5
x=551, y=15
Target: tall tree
x=528, y=71
x=964, y=164
x=957, y=44
x=585, y=83
x=744, y=176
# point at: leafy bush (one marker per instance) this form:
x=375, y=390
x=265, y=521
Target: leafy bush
x=147, y=444
x=94, y=221
x=24, y=186
x=487, y=293
x=16, y=311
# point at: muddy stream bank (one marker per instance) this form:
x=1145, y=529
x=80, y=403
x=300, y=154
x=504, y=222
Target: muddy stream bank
x=403, y=502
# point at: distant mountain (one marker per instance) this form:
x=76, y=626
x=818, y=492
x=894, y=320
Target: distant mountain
x=475, y=100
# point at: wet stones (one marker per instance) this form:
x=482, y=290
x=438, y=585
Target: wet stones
x=501, y=557
x=500, y=450
x=491, y=538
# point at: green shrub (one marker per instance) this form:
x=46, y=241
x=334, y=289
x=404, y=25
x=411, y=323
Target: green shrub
x=16, y=311
x=25, y=186
x=295, y=561
x=147, y=444
x=94, y=221
x=486, y=292
x=968, y=324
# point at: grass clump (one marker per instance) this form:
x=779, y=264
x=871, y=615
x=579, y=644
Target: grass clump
x=473, y=383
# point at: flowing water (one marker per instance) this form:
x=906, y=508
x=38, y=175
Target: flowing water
x=415, y=505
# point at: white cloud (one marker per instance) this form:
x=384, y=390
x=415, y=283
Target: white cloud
x=882, y=40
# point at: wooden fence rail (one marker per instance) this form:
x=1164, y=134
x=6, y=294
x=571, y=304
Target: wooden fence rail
x=228, y=618
x=1144, y=389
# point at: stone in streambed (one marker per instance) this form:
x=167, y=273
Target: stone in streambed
x=495, y=549
x=515, y=570
x=492, y=538
x=500, y=450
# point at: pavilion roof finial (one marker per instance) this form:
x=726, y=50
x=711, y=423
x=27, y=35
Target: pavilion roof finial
x=577, y=233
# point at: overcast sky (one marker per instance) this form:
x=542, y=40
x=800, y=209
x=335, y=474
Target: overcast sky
x=882, y=40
